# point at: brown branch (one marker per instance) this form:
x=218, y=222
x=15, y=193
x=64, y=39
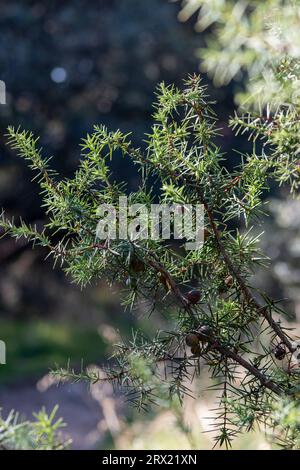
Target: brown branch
x=262, y=310
x=225, y=351
x=228, y=353
x=160, y=268
x=265, y=381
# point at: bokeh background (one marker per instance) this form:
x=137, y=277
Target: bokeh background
x=67, y=66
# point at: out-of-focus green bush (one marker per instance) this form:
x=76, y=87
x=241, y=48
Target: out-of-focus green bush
x=247, y=41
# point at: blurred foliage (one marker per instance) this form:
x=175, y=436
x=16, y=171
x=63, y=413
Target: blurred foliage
x=35, y=346
x=247, y=41
x=69, y=70
x=42, y=433
x=286, y=413
x=192, y=429
x=281, y=243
